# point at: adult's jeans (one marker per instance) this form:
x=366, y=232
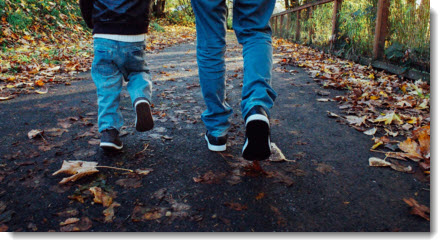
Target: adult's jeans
x=252, y=29
x=115, y=61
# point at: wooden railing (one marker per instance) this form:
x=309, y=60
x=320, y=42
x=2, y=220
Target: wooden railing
x=380, y=35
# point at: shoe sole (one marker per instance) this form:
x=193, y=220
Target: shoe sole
x=257, y=146
x=215, y=148
x=108, y=146
x=144, y=119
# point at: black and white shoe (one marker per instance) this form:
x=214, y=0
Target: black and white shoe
x=216, y=144
x=144, y=119
x=257, y=143
x=110, y=141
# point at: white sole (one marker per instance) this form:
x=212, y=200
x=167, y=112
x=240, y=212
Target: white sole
x=135, y=105
x=257, y=117
x=111, y=145
x=215, y=148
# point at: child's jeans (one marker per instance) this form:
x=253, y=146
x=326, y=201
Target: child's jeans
x=251, y=25
x=115, y=61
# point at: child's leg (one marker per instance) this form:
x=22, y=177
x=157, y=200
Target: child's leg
x=108, y=80
x=136, y=71
x=139, y=85
x=211, y=46
x=251, y=25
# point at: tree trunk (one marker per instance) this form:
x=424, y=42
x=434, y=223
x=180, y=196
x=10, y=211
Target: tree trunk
x=159, y=8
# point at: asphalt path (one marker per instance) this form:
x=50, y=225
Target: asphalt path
x=325, y=185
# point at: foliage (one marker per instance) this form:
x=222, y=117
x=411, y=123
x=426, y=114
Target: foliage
x=408, y=42
x=47, y=42
x=356, y=29
x=180, y=12
x=409, y=33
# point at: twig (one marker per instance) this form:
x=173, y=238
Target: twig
x=116, y=168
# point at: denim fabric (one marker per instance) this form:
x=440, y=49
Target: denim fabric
x=115, y=61
x=252, y=29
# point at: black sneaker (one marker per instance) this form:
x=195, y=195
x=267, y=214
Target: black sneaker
x=257, y=143
x=216, y=144
x=110, y=140
x=144, y=120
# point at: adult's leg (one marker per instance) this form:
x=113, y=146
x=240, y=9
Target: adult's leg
x=251, y=25
x=210, y=18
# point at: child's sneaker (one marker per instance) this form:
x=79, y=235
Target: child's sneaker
x=144, y=120
x=257, y=143
x=110, y=140
x=216, y=144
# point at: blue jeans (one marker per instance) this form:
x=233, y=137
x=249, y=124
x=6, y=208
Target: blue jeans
x=252, y=29
x=115, y=61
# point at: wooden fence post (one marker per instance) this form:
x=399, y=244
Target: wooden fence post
x=281, y=25
x=275, y=25
x=272, y=26
x=381, y=29
x=287, y=24
x=311, y=27
x=335, y=16
x=297, y=29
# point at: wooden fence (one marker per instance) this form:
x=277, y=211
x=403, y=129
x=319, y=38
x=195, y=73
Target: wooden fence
x=381, y=32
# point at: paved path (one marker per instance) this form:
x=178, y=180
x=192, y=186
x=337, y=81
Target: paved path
x=329, y=186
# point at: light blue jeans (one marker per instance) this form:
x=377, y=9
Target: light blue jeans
x=115, y=61
x=252, y=29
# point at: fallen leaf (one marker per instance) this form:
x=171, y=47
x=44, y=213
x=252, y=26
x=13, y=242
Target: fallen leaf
x=418, y=209
x=277, y=155
x=370, y=132
x=34, y=133
x=109, y=212
x=101, y=196
x=6, y=98
x=129, y=182
x=373, y=161
x=209, y=178
x=235, y=206
x=77, y=169
x=69, y=221
x=333, y=115
x=68, y=213
x=259, y=196
x=411, y=147
x=354, y=120
x=83, y=225
x=144, y=171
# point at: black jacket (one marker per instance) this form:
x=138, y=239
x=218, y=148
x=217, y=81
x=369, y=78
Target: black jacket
x=128, y=17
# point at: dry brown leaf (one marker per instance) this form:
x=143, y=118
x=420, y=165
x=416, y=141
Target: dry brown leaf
x=373, y=161
x=144, y=171
x=370, y=132
x=277, y=155
x=411, y=147
x=235, y=206
x=357, y=121
x=129, y=182
x=423, y=137
x=69, y=221
x=109, y=212
x=77, y=169
x=417, y=209
x=101, y=196
x=34, y=133
x=209, y=178
x=84, y=224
